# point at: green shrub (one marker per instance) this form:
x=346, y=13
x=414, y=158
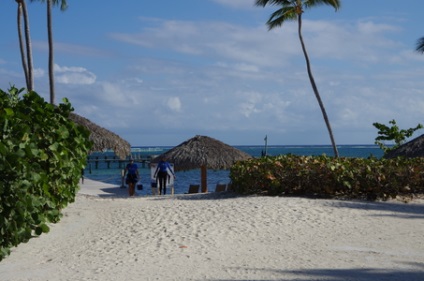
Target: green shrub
x=325, y=176
x=42, y=154
x=393, y=133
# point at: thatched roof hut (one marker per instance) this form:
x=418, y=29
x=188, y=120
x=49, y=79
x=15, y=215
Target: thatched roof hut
x=102, y=138
x=205, y=153
x=413, y=148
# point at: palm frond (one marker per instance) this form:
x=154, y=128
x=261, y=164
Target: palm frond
x=420, y=45
x=63, y=3
x=313, y=3
x=263, y=3
x=278, y=17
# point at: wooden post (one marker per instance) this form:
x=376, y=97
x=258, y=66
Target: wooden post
x=266, y=145
x=122, y=178
x=204, y=182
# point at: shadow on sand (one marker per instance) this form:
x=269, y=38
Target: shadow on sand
x=354, y=274
x=399, y=209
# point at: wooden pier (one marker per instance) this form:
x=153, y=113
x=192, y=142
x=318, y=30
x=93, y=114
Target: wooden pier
x=116, y=163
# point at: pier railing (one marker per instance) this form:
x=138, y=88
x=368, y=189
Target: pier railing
x=113, y=162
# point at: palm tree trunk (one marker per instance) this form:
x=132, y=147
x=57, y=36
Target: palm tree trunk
x=21, y=44
x=315, y=88
x=51, y=62
x=28, y=47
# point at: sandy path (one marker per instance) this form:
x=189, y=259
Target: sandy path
x=221, y=237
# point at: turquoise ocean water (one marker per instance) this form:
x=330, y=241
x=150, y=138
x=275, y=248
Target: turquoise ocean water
x=108, y=169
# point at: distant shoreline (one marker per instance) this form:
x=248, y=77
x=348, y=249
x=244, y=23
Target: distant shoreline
x=269, y=145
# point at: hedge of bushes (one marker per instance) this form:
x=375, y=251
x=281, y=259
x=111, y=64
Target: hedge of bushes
x=324, y=176
x=42, y=154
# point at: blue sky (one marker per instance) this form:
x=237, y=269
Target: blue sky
x=161, y=72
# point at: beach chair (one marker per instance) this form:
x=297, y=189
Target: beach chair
x=193, y=188
x=220, y=187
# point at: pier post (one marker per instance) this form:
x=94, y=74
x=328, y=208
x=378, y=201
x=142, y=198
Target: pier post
x=122, y=178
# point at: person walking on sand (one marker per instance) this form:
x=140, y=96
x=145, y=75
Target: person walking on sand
x=131, y=171
x=161, y=174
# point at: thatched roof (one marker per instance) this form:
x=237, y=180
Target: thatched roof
x=102, y=138
x=413, y=148
x=203, y=151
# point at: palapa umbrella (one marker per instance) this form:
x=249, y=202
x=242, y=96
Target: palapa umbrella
x=411, y=149
x=204, y=153
x=102, y=138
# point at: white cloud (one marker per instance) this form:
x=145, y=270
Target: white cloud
x=174, y=103
x=222, y=40
x=38, y=72
x=80, y=50
x=253, y=49
x=74, y=75
x=114, y=94
x=240, y=4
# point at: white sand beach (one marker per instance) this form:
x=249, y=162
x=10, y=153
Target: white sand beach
x=105, y=235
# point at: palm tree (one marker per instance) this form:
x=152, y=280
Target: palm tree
x=25, y=49
x=420, y=45
x=293, y=10
x=63, y=7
